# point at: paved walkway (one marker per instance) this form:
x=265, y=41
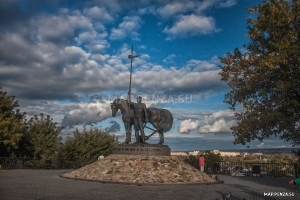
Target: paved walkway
x=46, y=184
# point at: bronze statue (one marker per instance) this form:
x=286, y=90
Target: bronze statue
x=140, y=116
x=161, y=120
x=127, y=116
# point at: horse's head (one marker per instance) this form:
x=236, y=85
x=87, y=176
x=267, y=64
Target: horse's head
x=114, y=109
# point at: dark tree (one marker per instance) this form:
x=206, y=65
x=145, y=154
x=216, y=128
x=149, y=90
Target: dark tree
x=264, y=77
x=87, y=145
x=12, y=125
x=212, y=157
x=44, y=136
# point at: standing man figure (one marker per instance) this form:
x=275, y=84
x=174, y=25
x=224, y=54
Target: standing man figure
x=201, y=162
x=140, y=113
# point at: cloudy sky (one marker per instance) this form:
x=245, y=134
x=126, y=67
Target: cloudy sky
x=69, y=59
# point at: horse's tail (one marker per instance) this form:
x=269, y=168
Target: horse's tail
x=166, y=121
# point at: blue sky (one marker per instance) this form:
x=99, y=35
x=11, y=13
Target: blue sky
x=69, y=59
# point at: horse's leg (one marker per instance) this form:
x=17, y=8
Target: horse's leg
x=129, y=129
x=128, y=132
x=156, y=121
x=128, y=135
x=161, y=137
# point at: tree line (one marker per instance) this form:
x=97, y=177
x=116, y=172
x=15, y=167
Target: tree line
x=38, y=137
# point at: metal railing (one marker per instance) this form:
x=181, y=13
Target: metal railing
x=251, y=169
x=25, y=163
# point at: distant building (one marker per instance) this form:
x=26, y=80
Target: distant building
x=257, y=154
x=222, y=153
x=245, y=154
x=178, y=153
x=230, y=153
x=215, y=151
x=194, y=153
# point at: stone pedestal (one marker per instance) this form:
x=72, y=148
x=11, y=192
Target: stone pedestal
x=142, y=149
x=141, y=170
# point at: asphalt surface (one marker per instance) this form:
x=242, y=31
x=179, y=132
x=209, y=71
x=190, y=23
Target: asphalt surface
x=46, y=184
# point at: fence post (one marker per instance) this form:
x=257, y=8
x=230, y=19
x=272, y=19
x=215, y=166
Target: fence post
x=48, y=164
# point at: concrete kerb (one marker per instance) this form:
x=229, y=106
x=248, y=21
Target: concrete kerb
x=141, y=184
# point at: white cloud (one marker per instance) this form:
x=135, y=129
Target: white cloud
x=142, y=47
x=185, y=114
x=97, y=47
x=147, y=10
x=53, y=29
x=75, y=53
x=189, y=17
x=222, y=114
x=261, y=145
x=98, y=14
x=176, y=80
x=112, y=5
x=219, y=126
x=187, y=126
x=264, y=145
x=169, y=59
x=70, y=26
x=128, y=27
x=280, y=146
x=87, y=113
x=94, y=41
x=227, y=115
x=200, y=65
x=174, y=8
x=100, y=58
x=86, y=36
x=227, y=3
x=192, y=25
x=201, y=6
x=58, y=28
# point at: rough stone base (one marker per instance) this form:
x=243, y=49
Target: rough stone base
x=142, y=149
x=141, y=170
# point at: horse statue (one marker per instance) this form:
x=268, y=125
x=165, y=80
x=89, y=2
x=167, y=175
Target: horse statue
x=161, y=119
